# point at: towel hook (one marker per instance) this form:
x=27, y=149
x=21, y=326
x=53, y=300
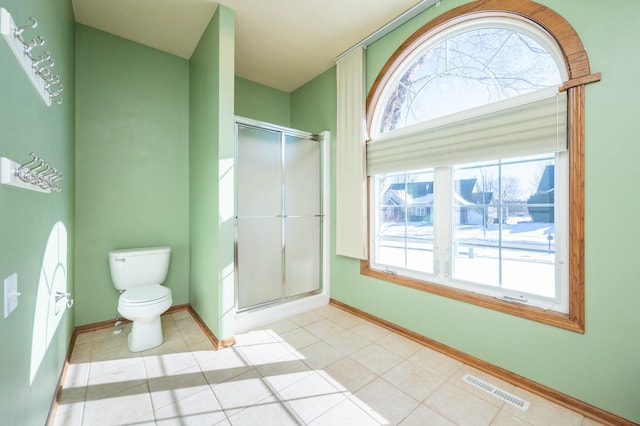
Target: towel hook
x=39, y=41
x=36, y=42
x=45, y=72
x=23, y=171
x=52, y=81
x=18, y=31
x=46, y=177
x=46, y=56
x=34, y=172
x=37, y=178
x=55, y=186
x=55, y=93
x=53, y=178
x=40, y=66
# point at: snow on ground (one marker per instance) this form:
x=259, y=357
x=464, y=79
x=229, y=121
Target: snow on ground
x=528, y=258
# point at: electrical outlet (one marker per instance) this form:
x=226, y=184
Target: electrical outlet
x=10, y=294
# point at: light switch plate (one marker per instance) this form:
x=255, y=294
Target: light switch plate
x=10, y=294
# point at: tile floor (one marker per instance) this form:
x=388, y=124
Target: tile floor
x=323, y=367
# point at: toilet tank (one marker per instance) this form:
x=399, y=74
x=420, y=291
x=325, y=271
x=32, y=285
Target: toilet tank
x=140, y=266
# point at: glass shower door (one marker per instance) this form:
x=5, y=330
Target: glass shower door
x=303, y=216
x=279, y=216
x=259, y=223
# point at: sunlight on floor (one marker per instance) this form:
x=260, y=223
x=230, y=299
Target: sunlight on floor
x=323, y=367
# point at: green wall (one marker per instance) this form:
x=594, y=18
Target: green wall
x=314, y=109
x=211, y=153
x=314, y=105
x=600, y=367
x=263, y=103
x=132, y=160
x=27, y=217
x=152, y=163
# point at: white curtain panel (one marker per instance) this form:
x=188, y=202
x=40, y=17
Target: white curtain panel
x=351, y=182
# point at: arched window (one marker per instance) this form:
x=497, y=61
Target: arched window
x=475, y=63
x=475, y=162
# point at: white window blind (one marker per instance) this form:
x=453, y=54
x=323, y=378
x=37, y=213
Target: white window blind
x=524, y=125
x=351, y=205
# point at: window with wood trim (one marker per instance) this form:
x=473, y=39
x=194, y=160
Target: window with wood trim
x=476, y=162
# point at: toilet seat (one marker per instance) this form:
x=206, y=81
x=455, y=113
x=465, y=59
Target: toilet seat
x=145, y=295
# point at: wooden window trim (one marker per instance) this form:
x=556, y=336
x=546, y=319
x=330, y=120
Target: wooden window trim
x=577, y=63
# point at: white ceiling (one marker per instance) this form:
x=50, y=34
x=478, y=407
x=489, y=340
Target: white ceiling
x=279, y=43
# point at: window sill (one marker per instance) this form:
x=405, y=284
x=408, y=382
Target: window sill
x=566, y=321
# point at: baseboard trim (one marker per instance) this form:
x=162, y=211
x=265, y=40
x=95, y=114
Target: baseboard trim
x=217, y=344
x=63, y=374
x=587, y=410
x=111, y=323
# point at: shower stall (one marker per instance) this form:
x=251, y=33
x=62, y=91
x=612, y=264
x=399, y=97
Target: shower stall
x=280, y=215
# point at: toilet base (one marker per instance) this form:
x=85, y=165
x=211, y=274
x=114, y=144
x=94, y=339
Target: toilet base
x=145, y=335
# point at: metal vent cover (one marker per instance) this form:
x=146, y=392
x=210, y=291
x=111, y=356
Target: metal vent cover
x=497, y=392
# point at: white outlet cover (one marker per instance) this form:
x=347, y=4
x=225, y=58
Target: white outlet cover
x=10, y=294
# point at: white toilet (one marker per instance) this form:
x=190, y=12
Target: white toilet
x=138, y=273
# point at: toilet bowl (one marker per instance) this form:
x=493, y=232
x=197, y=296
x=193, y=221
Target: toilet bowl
x=138, y=273
x=143, y=306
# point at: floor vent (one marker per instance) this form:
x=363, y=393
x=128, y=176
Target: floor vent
x=497, y=392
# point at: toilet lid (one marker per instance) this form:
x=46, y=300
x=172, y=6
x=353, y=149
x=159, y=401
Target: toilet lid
x=145, y=294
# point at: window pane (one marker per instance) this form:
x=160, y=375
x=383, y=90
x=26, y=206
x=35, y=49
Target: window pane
x=404, y=223
x=466, y=69
x=504, y=230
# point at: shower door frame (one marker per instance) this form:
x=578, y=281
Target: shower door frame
x=323, y=141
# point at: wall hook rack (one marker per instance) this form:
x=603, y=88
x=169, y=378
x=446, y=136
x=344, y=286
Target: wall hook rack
x=38, y=68
x=36, y=175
